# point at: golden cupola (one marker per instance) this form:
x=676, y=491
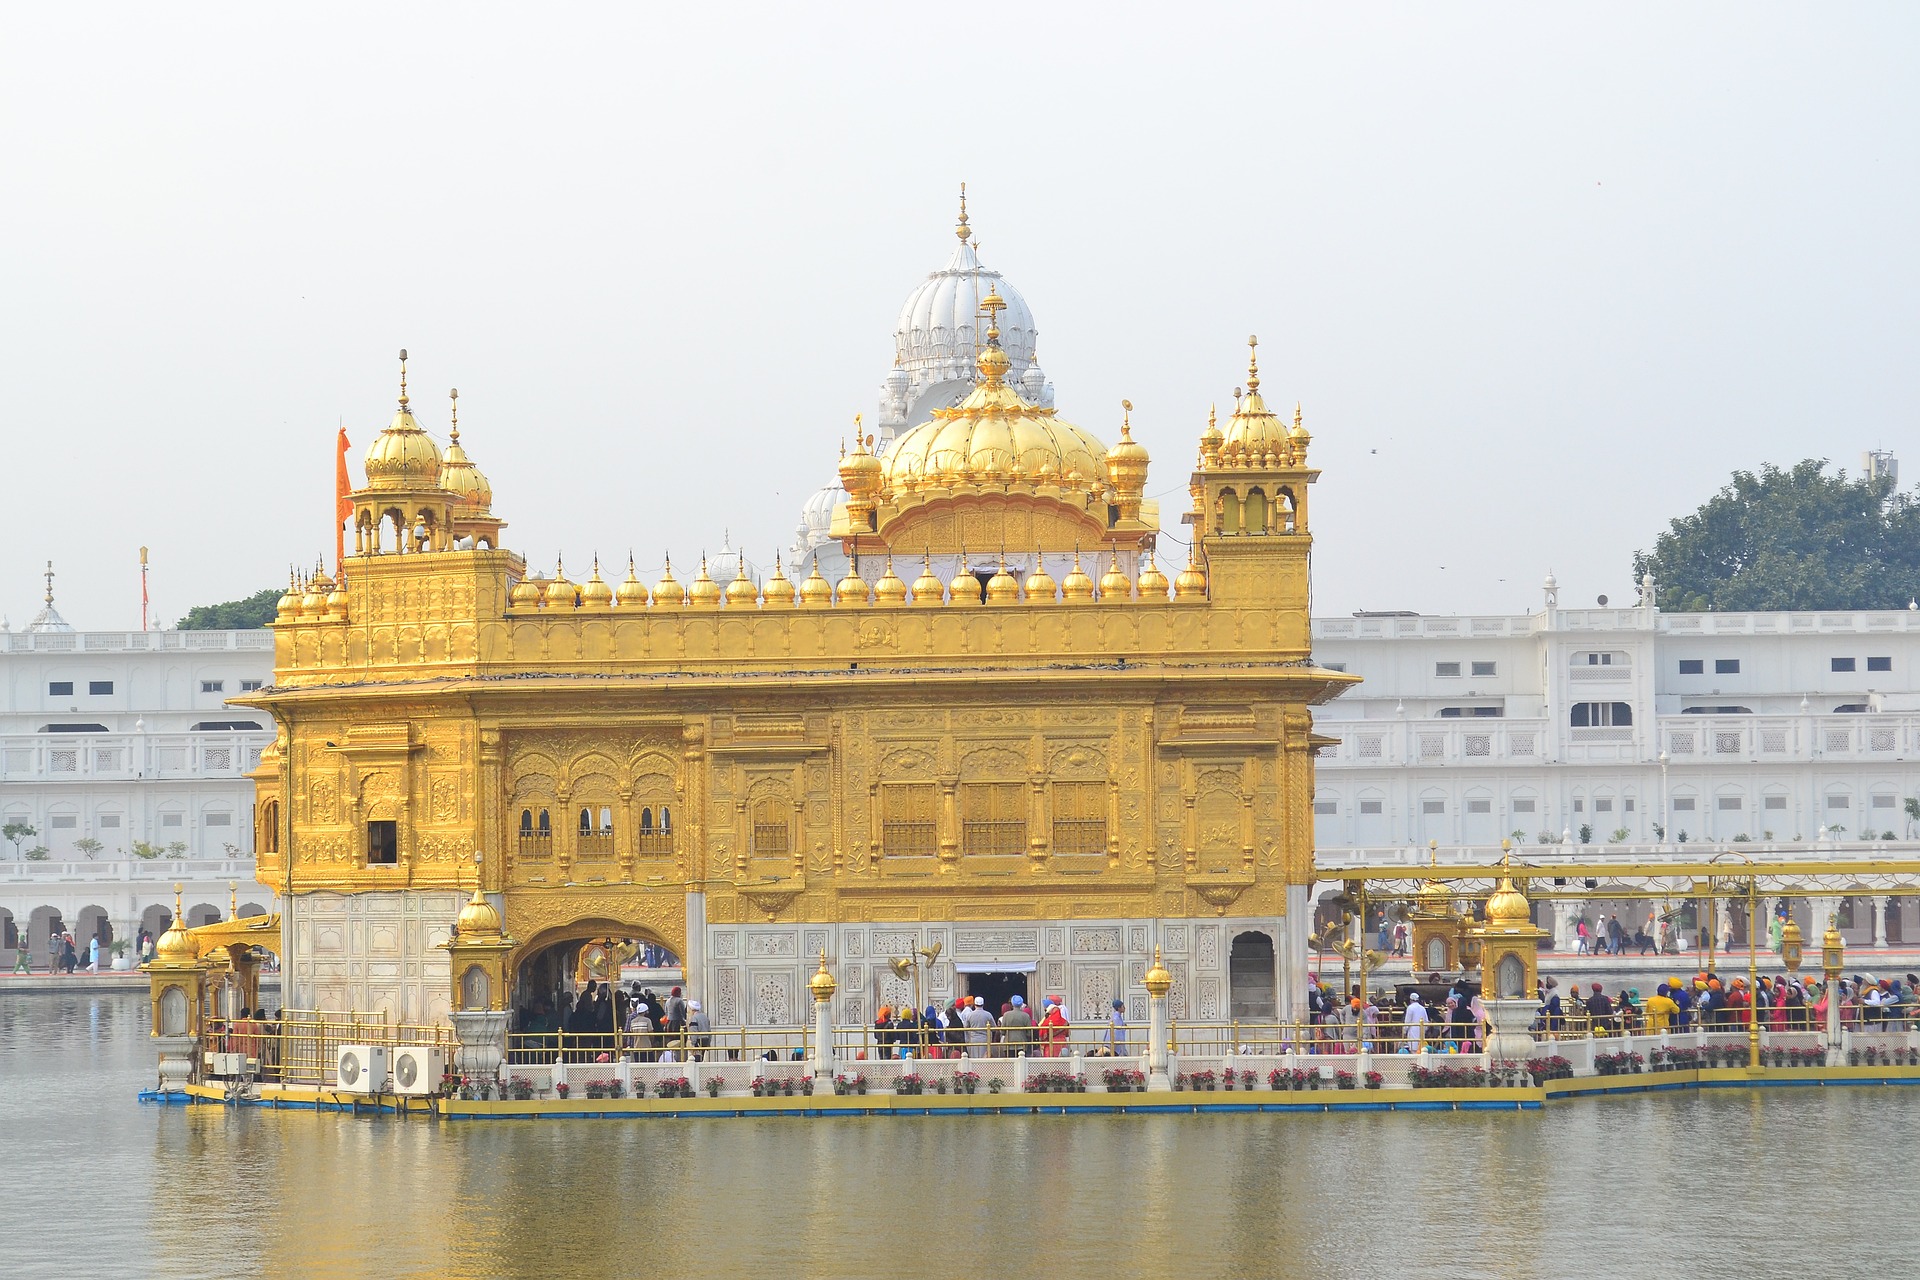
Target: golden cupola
x=778, y=593
x=741, y=593
x=1024, y=475
x=1077, y=586
x=1003, y=587
x=560, y=593
x=1153, y=583
x=1127, y=467
x=526, y=593
x=458, y=476
x=1255, y=435
x=891, y=589
x=595, y=594
x=1115, y=585
x=927, y=588
x=403, y=457
x=816, y=591
x=1040, y=584
x=288, y=608
x=668, y=593
x=703, y=592
x=630, y=594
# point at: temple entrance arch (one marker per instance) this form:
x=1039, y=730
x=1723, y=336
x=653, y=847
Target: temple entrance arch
x=574, y=978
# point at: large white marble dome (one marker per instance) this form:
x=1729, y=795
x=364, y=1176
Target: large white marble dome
x=940, y=324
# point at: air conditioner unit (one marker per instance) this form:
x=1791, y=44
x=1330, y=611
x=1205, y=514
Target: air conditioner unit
x=417, y=1069
x=225, y=1066
x=361, y=1068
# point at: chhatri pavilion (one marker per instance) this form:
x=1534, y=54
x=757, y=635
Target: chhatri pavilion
x=987, y=710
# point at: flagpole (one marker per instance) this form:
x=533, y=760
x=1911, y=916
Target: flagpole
x=143, y=588
x=342, y=501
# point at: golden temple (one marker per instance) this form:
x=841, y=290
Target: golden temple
x=1047, y=778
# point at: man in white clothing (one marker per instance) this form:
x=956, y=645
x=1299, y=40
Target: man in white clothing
x=979, y=1025
x=1416, y=1023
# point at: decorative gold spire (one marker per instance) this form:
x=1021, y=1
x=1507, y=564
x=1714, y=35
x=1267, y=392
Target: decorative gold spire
x=1115, y=586
x=1153, y=583
x=630, y=594
x=853, y=589
x=963, y=231
x=595, y=594
x=1003, y=587
x=668, y=593
x=403, y=377
x=816, y=591
x=927, y=588
x=453, y=430
x=965, y=587
x=778, y=593
x=703, y=592
x=561, y=594
x=1040, y=585
x=1191, y=584
x=741, y=593
x=1253, y=364
x=891, y=589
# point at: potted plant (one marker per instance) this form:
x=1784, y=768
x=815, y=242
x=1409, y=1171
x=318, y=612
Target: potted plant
x=596, y=1089
x=966, y=1082
x=1344, y=1079
x=910, y=1083
x=522, y=1088
x=1375, y=1079
x=996, y=1084
x=560, y=1087
x=715, y=1084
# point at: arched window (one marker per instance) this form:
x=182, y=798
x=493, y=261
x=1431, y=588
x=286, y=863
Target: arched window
x=595, y=841
x=1255, y=517
x=270, y=827
x=586, y=822
x=1229, y=512
x=546, y=824
x=526, y=823
x=646, y=822
x=1595, y=715
x=666, y=821
x=536, y=841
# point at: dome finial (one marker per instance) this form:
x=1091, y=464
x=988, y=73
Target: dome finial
x=1253, y=364
x=453, y=431
x=49, y=584
x=1126, y=419
x=963, y=231
x=403, y=377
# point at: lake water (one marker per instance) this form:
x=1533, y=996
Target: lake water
x=1791, y=1182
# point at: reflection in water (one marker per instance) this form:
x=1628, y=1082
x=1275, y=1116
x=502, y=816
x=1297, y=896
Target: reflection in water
x=1688, y=1185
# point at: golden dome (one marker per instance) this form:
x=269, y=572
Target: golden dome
x=703, y=592
x=1003, y=587
x=175, y=944
x=526, y=593
x=668, y=593
x=1191, y=584
x=778, y=592
x=1157, y=980
x=1076, y=587
x=1254, y=431
x=927, y=588
x=458, y=476
x=853, y=588
x=403, y=456
x=337, y=601
x=1153, y=583
x=1211, y=438
x=630, y=594
x=992, y=437
x=965, y=587
x=560, y=593
x=478, y=918
x=1115, y=585
x=314, y=603
x=741, y=593
x=1040, y=583
x=821, y=983
x=1507, y=905
x=595, y=594
x=289, y=605
x=860, y=471
x=816, y=590
x=1434, y=896
x=890, y=590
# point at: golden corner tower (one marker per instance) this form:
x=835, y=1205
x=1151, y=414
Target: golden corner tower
x=1049, y=778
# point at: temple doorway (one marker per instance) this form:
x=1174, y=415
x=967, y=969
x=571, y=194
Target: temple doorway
x=998, y=987
x=1251, y=977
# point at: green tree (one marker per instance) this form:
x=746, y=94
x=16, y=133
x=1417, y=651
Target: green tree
x=15, y=832
x=235, y=615
x=1793, y=539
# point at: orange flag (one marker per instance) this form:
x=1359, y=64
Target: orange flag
x=343, y=501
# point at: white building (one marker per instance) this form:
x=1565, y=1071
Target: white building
x=114, y=744
x=1619, y=726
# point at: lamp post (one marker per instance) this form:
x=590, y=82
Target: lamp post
x=1157, y=982
x=1666, y=816
x=1833, y=959
x=823, y=986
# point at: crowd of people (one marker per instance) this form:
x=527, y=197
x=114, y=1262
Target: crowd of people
x=967, y=1026
x=606, y=1022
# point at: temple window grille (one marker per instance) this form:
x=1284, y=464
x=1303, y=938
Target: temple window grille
x=1079, y=817
x=994, y=818
x=909, y=823
x=772, y=828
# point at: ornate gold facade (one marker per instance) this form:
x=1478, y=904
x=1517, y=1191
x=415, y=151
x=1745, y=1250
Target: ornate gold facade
x=667, y=761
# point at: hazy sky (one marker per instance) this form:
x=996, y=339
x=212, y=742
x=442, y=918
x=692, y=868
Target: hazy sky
x=1543, y=276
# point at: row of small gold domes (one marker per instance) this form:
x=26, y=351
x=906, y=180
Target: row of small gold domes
x=780, y=592
x=317, y=598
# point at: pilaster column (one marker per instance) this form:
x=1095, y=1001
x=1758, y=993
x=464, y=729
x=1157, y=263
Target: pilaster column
x=823, y=986
x=1879, y=920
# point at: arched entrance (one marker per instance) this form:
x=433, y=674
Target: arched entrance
x=573, y=986
x=1251, y=977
